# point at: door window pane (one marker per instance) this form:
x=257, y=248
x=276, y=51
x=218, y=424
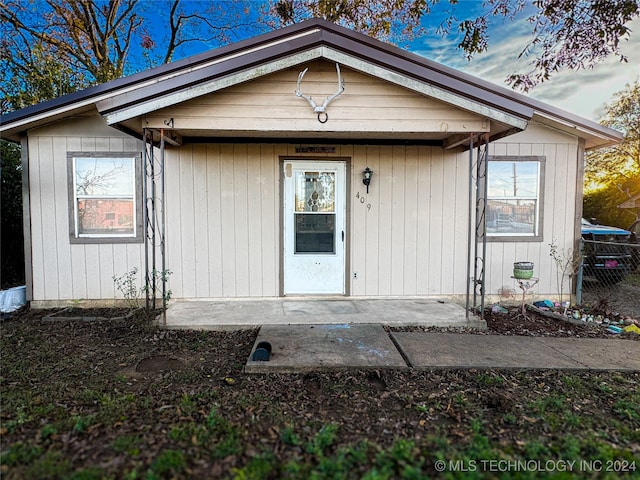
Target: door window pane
x=315, y=233
x=315, y=192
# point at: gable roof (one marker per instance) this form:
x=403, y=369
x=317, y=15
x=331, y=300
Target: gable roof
x=127, y=98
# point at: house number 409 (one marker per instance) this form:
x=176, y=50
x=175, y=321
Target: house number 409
x=363, y=199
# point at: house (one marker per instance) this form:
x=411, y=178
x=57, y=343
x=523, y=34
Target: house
x=311, y=160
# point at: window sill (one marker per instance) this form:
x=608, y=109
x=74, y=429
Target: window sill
x=508, y=238
x=104, y=240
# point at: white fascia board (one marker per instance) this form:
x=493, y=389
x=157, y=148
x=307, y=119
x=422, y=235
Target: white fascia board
x=580, y=130
x=211, y=86
x=34, y=119
x=424, y=88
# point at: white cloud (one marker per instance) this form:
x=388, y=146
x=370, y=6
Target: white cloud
x=583, y=92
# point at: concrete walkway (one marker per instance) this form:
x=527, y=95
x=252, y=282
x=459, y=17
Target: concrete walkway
x=331, y=333
x=296, y=348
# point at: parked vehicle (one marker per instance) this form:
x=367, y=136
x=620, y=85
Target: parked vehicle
x=607, y=252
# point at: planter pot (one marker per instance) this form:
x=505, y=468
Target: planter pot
x=523, y=270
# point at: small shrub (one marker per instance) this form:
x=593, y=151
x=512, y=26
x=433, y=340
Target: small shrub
x=127, y=284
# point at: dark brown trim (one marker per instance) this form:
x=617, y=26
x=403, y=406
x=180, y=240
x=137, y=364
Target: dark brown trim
x=314, y=141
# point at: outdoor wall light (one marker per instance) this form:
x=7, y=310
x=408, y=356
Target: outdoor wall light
x=367, y=174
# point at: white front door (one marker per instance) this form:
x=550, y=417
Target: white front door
x=314, y=227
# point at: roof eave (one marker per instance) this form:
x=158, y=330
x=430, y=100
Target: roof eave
x=594, y=134
x=296, y=38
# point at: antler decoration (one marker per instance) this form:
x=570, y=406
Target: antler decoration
x=320, y=109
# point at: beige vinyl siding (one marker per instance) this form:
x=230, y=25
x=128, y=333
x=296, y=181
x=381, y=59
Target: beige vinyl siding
x=224, y=239
x=62, y=271
x=270, y=105
x=561, y=166
x=412, y=239
x=223, y=218
x=407, y=237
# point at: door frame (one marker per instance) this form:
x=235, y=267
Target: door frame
x=347, y=218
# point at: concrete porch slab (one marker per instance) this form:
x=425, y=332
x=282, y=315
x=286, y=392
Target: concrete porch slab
x=300, y=348
x=250, y=313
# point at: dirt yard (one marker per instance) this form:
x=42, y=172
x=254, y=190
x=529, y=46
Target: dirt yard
x=122, y=399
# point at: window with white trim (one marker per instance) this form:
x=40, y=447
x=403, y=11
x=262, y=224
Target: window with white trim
x=105, y=197
x=514, y=197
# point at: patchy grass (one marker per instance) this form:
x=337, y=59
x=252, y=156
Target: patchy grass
x=633, y=279
x=74, y=404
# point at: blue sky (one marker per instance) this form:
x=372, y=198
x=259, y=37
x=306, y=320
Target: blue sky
x=583, y=92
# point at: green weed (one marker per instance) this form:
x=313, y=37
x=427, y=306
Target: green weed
x=81, y=423
x=604, y=387
x=401, y=460
x=574, y=382
x=460, y=399
x=546, y=405
x=572, y=420
x=288, y=437
x=222, y=438
x=479, y=447
x=50, y=465
x=322, y=440
x=476, y=425
x=129, y=444
x=509, y=419
x=20, y=419
x=258, y=468
x=47, y=431
x=20, y=454
x=570, y=448
x=91, y=473
x=169, y=462
x=489, y=380
x=535, y=449
x=187, y=404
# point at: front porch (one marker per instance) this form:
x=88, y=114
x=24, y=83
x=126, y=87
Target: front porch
x=232, y=314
